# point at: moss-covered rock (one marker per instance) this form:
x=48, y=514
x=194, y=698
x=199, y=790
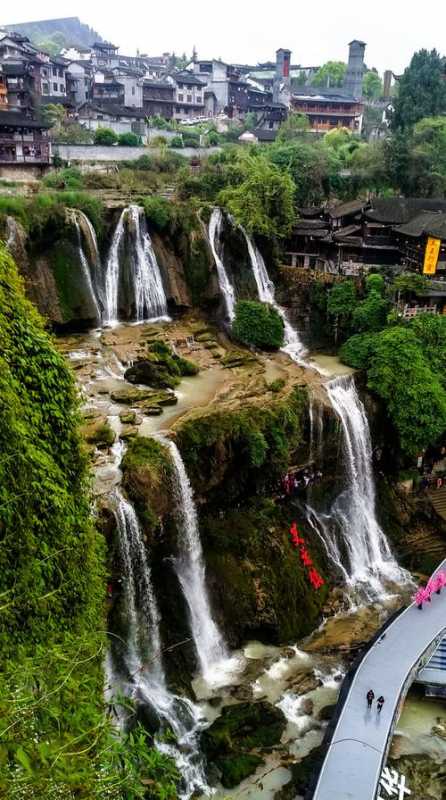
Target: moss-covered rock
x=147, y=471
x=241, y=729
x=162, y=368
x=98, y=432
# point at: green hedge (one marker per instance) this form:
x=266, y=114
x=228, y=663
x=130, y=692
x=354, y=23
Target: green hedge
x=258, y=324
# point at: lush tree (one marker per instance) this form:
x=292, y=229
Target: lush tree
x=402, y=376
x=422, y=90
x=369, y=167
x=258, y=324
x=428, y=157
x=293, y=127
x=54, y=115
x=372, y=85
x=370, y=314
x=430, y=331
x=311, y=167
x=251, y=121
x=263, y=200
x=105, y=136
x=129, y=139
x=357, y=352
x=72, y=132
x=331, y=74
x=341, y=304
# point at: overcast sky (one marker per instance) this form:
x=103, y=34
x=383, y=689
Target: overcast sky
x=247, y=32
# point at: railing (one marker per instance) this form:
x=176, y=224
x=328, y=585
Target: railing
x=412, y=311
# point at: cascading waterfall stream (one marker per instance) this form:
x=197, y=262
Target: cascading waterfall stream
x=144, y=678
x=213, y=656
x=266, y=292
x=352, y=535
x=84, y=261
x=226, y=287
x=147, y=287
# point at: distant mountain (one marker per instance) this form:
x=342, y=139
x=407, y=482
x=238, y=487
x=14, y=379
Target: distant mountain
x=54, y=34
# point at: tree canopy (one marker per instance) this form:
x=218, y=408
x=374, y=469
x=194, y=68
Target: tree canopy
x=331, y=74
x=422, y=90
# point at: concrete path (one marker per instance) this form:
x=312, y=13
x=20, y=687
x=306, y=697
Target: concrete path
x=360, y=741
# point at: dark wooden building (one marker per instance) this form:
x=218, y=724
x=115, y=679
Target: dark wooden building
x=158, y=99
x=23, y=140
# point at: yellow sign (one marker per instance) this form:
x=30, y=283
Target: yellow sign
x=431, y=256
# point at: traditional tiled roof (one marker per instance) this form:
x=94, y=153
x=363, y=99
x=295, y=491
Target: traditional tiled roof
x=432, y=223
x=188, y=77
x=113, y=110
x=345, y=209
x=399, y=210
x=265, y=135
x=310, y=223
x=17, y=120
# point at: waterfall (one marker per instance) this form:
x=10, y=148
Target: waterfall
x=352, y=535
x=84, y=261
x=146, y=284
x=190, y=568
x=266, y=292
x=112, y=273
x=226, y=287
x=144, y=678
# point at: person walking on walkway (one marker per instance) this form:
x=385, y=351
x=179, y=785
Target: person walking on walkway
x=370, y=698
x=380, y=703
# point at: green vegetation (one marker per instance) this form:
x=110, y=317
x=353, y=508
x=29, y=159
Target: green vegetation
x=55, y=735
x=105, y=136
x=67, y=178
x=262, y=202
x=331, y=74
x=422, y=90
x=129, y=140
x=372, y=85
x=47, y=210
x=258, y=324
x=240, y=729
x=158, y=211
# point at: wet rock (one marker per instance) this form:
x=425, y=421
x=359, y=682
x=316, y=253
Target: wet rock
x=152, y=411
x=150, y=373
x=302, y=683
x=128, y=417
x=128, y=432
x=242, y=693
x=235, y=741
x=237, y=358
x=307, y=707
x=98, y=432
x=132, y=396
x=326, y=713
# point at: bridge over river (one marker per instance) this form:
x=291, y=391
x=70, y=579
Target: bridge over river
x=360, y=739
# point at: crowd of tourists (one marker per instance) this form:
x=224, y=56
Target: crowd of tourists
x=294, y=482
x=434, y=586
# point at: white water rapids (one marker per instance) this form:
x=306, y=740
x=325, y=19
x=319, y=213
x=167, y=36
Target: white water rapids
x=355, y=542
x=216, y=666
x=145, y=277
x=226, y=287
x=143, y=678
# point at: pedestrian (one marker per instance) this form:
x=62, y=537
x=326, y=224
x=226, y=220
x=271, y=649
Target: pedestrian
x=380, y=703
x=370, y=698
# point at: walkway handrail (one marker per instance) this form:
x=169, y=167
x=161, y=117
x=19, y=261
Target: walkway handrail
x=358, y=740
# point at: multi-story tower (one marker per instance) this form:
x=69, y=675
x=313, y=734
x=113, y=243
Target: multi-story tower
x=355, y=70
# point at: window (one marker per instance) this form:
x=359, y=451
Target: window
x=61, y=73
x=55, y=87
x=45, y=73
x=180, y=98
x=55, y=71
x=45, y=88
x=189, y=98
x=180, y=86
x=198, y=98
x=62, y=88
x=133, y=90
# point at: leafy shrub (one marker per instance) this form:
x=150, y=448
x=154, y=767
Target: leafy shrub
x=213, y=139
x=176, y=141
x=129, y=139
x=191, y=138
x=68, y=178
x=357, y=351
x=258, y=324
x=105, y=136
x=158, y=141
x=158, y=211
x=277, y=385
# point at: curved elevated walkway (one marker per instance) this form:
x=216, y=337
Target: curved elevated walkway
x=359, y=744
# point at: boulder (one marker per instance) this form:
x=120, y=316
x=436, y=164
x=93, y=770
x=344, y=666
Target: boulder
x=130, y=396
x=150, y=373
x=98, y=432
x=128, y=432
x=241, y=729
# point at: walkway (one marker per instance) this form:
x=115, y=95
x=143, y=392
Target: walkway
x=438, y=499
x=358, y=748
